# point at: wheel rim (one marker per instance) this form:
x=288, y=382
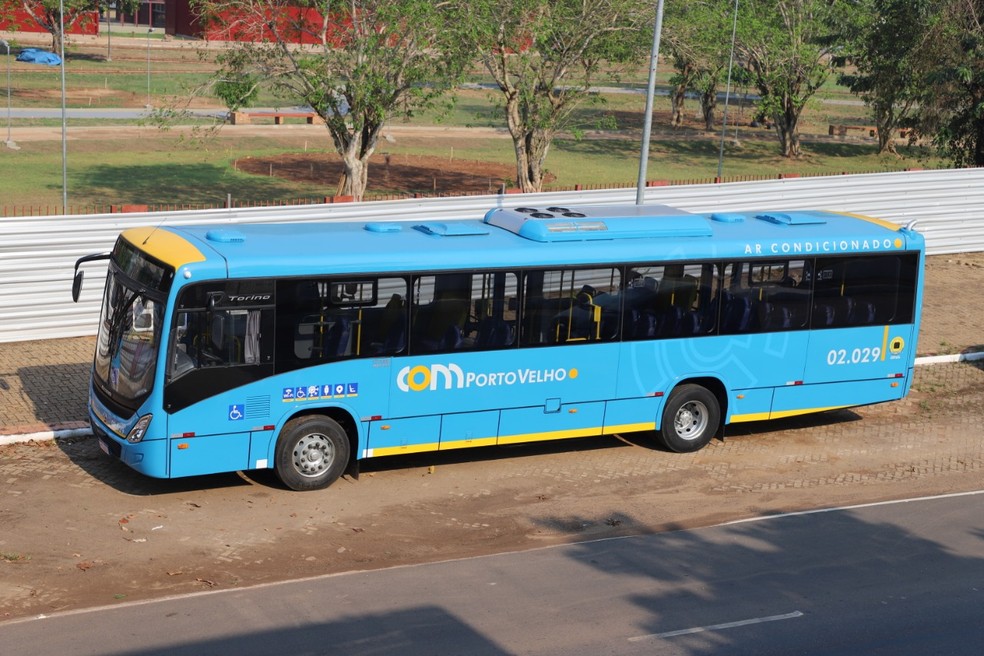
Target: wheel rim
x=690, y=421
x=313, y=455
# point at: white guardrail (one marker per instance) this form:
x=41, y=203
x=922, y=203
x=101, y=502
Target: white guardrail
x=38, y=254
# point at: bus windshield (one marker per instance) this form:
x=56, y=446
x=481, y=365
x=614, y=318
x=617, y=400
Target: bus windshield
x=130, y=328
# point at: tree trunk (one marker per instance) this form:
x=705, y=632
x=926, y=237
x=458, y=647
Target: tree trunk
x=885, y=124
x=355, y=144
x=354, y=176
x=677, y=97
x=708, y=103
x=787, y=129
x=531, y=152
x=979, y=146
x=531, y=146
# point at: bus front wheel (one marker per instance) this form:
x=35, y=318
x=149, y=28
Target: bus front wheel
x=312, y=452
x=690, y=419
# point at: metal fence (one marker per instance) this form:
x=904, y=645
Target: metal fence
x=37, y=254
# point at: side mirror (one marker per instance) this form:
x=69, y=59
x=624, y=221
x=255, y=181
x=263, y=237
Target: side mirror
x=77, y=285
x=79, y=275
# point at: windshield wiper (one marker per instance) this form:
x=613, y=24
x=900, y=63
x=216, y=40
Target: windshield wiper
x=118, y=319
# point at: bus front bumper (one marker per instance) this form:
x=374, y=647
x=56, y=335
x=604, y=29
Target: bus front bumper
x=148, y=457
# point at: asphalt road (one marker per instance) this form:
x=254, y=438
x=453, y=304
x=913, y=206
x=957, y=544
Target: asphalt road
x=894, y=578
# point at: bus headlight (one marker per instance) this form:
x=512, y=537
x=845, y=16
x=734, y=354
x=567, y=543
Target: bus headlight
x=139, y=429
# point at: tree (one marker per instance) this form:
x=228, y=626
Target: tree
x=126, y=6
x=786, y=47
x=364, y=62
x=951, y=105
x=48, y=15
x=680, y=83
x=544, y=55
x=698, y=38
x=881, y=41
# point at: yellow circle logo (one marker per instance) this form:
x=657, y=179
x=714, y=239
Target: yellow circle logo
x=425, y=378
x=896, y=346
x=573, y=373
x=898, y=243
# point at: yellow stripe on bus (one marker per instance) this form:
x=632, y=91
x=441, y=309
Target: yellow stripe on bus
x=403, y=450
x=780, y=414
x=630, y=428
x=884, y=344
x=805, y=411
x=465, y=444
x=752, y=416
x=513, y=439
x=870, y=219
x=164, y=246
x=549, y=435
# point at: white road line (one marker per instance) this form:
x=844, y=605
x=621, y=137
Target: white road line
x=718, y=627
x=875, y=504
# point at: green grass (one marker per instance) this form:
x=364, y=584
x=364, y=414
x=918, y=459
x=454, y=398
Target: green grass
x=159, y=170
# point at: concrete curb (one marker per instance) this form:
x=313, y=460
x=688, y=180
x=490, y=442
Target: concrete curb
x=55, y=434
x=69, y=433
x=957, y=357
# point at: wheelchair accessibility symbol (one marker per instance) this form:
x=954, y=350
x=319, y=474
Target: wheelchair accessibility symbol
x=235, y=412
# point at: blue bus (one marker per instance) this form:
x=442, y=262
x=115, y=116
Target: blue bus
x=306, y=348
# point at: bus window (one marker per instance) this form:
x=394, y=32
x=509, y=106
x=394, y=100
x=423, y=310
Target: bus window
x=862, y=291
x=571, y=305
x=463, y=311
x=325, y=320
x=216, y=327
x=672, y=300
x=492, y=322
x=765, y=296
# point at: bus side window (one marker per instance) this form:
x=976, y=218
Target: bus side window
x=332, y=319
x=208, y=335
x=492, y=322
x=672, y=300
x=785, y=299
x=440, y=312
x=865, y=290
x=571, y=305
x=385, y=324
x=765, y=296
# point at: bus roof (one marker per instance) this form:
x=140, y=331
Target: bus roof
x=531, y=236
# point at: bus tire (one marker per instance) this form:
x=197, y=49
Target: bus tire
x=312, y=452
x=691, y=417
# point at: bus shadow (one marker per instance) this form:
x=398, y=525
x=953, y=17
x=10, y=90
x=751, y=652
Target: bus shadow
x=85, y=453
x=491, y=453
x=795, y=423
x=644, y=440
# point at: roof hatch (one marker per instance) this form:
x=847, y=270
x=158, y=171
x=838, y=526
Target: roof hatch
x=452, y=229
x=383, y=226
x=791, y=218
x=225, y=235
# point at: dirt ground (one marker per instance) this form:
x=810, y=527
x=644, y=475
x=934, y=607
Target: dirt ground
x=80, y=529
x=391, y=174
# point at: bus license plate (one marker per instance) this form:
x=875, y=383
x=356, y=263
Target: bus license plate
x=104, y=447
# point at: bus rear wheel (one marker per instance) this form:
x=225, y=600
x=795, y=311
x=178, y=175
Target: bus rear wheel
x=690, y=419
x=312, y=452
